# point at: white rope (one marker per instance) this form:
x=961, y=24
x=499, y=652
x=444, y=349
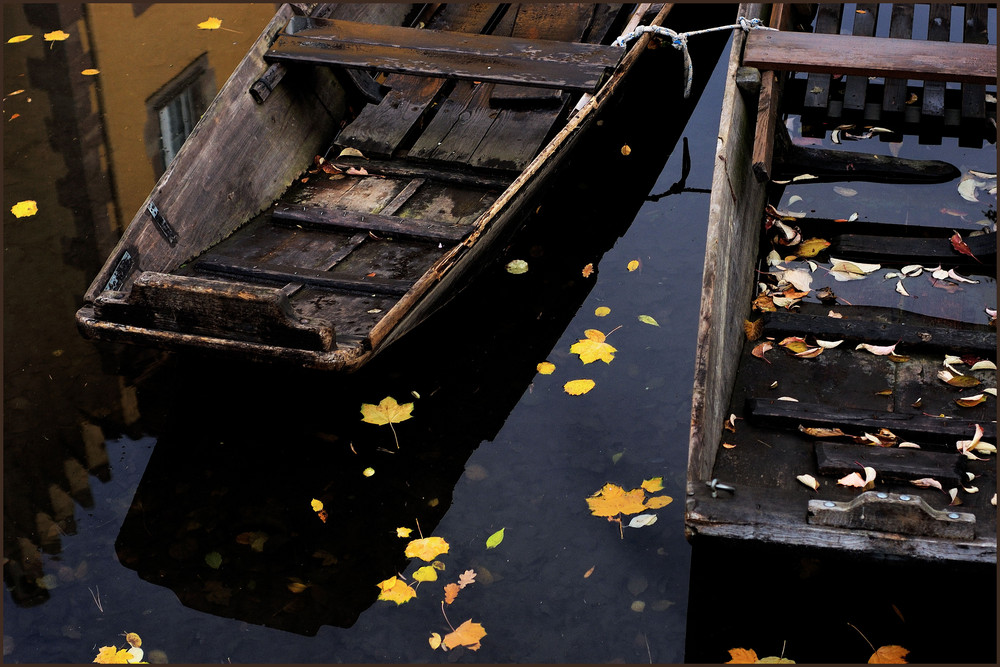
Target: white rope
x=679, y=41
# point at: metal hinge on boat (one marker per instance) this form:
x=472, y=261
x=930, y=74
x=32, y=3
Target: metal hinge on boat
x=906, y=514
x=162, y=226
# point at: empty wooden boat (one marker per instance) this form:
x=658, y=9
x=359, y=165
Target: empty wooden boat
x=873, y=352
x=318, y=213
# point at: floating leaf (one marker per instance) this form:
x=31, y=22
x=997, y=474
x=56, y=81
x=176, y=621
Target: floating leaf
x=517, y=266
x=656, y=502
x=368, y=472
x=467, y=634
x=602, y=311
x=888, y=655
x=403, y=532
x=425, y=573
x=588, y=270
x=434, y=640
x=642, y=520
x=19, y=38
x=90, y=72
x=961, y=246
x=759, y=350
x=578, y=387
x=55, y=36
x=812, y=247
x=496, y=538
x=112, y=655
x=426, y=548
x=646, y=319
x=844, y=271
x=451, y=592
x=213, y=559
x=211, y=23
x=633, y=265
x=626, y=151
x=593, y=347
x=545, y=368
x=880, y=350
x=466, y=578
x=844, y=192
x=652, y=485
x=954, y=380
x=613, y=500
x=388, y=411
x=971, y=401
x=959, y=279
x=854, y=479
x=799, y=279
x=24, y=209
x=316, y=505
x=809, y=481
x=395, y=590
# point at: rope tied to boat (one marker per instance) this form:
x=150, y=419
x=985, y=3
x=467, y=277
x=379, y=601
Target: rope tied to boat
x=679, y=41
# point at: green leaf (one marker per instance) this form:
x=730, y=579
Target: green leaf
x=517, y=266
x=213, y=560
x=648, y=320
x=616, y=457
x=494, y=539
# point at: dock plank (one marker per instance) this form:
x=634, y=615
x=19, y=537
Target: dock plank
x=856, y=85
x=894, y=95
x=817, y=83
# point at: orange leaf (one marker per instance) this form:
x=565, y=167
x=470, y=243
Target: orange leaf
x=451, y=592
x=888, y=654
x=467, y=634
x=742, y=656
x=753, y=330
x=587, y=270
x=426, y=548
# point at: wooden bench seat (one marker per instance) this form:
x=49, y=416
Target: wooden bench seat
x=487, y=58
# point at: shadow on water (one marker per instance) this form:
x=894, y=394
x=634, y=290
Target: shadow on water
x=244, y=448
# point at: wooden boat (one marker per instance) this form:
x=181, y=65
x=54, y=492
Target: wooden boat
x=748, y=446
x=291, y=227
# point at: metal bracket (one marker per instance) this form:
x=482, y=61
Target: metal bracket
x=906, y=514
x=162, y=226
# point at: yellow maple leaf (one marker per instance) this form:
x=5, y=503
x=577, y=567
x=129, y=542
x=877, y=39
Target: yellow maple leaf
x=211, y=24
x=388, y=411
x=467, y=634
x=426, y=548
x=403, y=532
x=593, y=347
x=656, y=502
x=653, y=485
x=577, y=387
x=395, y=590
x=55, y=36
x=23, y=209
x=612, y=500
x=887, y=655
x=742, y=656
x=111, y=655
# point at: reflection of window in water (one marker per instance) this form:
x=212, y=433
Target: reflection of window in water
x=177, y=119
x=174, y=110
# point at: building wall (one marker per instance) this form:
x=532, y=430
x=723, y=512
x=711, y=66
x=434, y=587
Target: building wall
x=165, y=39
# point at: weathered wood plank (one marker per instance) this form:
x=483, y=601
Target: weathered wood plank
x=214, y=308
x=894, y=95
x=856, y=86
x=906, y=333
x=319, y=216
x=974, y=94
x=818, y=84
x=444, y=173
x=456, y=130
x=893, y=463
x=909, y=250
x=916, y=427
x=769, y=105
x=552, y=63
x=932, y=99
x=289, y=274
x=871, y=56
x=903, y=514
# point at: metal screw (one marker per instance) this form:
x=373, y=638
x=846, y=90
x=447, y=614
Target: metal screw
x=882, y=494
x=904, y=497
x=717, y=486
x=952, y=515
x=829, y=503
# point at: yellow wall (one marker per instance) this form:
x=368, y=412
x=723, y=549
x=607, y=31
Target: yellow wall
x=138, y=55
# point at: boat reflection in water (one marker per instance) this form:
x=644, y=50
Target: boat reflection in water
x=223, y=513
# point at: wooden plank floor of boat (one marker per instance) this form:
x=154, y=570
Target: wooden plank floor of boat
x=344, y=248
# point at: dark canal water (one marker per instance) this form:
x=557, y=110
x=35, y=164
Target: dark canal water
x=169, y=494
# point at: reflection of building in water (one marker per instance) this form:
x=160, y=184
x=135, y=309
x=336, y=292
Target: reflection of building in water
x=80, y=147
x=159, y=72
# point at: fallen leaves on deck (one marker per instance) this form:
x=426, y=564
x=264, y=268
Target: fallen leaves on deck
x=855, y=479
